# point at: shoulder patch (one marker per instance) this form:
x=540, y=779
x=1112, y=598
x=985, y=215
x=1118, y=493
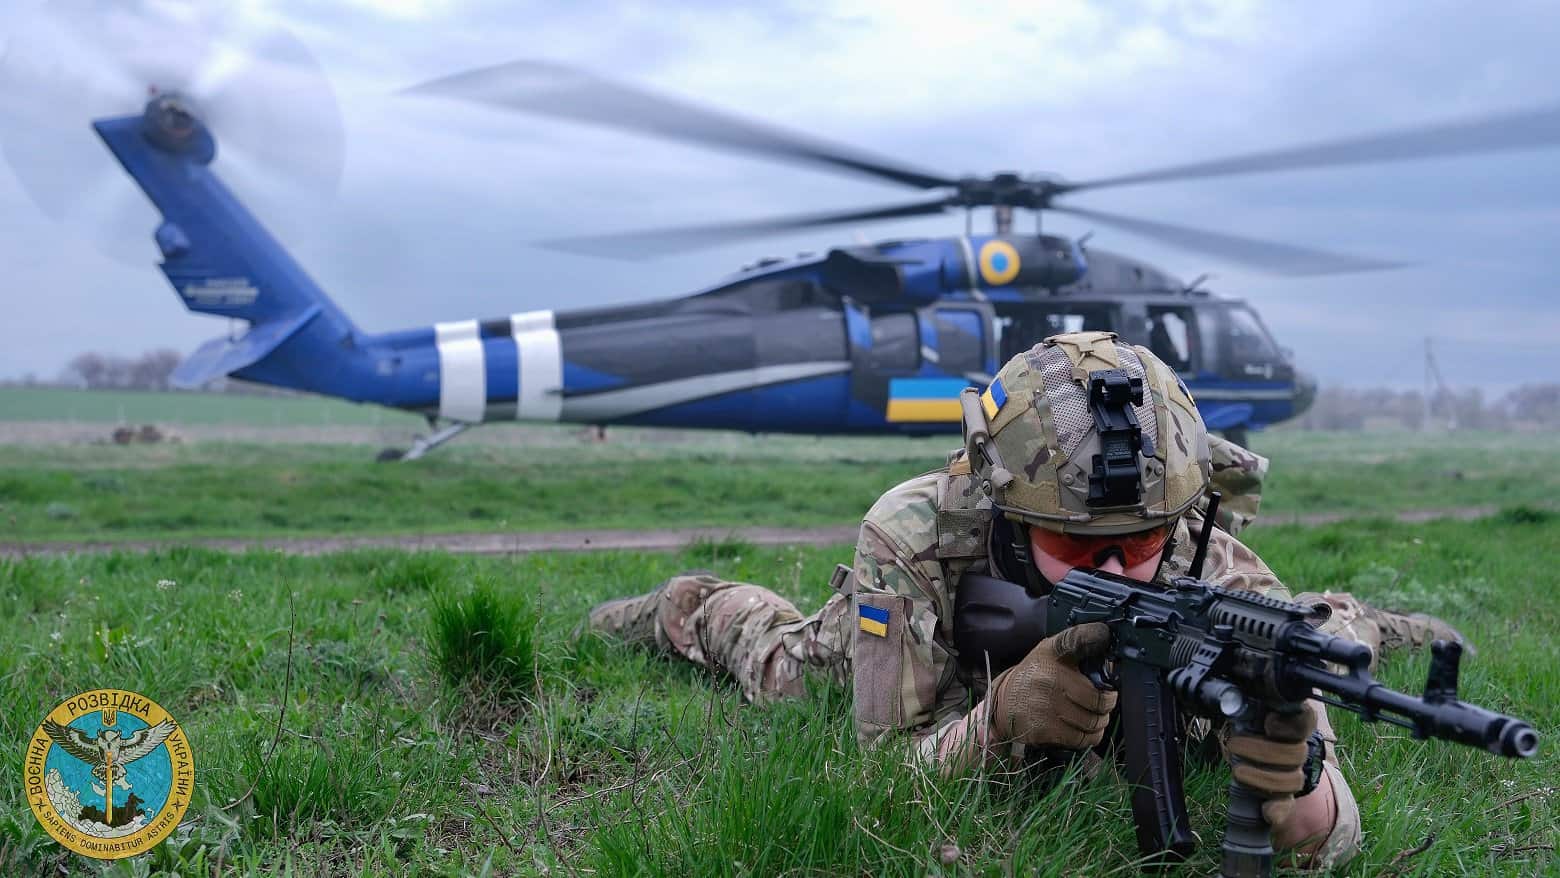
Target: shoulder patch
x=874, y=620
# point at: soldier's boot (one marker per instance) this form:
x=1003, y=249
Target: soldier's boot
x=638, y=620
x=631, y=620
x=1382, y=630
x=1412, y=630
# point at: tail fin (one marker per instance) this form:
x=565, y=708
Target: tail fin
x=221, y=261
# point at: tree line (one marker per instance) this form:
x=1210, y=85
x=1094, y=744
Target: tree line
x=1466, y=408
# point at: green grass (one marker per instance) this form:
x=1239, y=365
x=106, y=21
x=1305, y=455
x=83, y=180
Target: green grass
x=619, y=762
x=646, y=479
x=484, y=641
x=144, y=407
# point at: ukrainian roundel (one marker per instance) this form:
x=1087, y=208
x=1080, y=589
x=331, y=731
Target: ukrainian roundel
x=999, y=263
x=873, y=620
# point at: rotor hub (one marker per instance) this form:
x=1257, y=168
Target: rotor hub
x=172, y=122
x=1006, y=189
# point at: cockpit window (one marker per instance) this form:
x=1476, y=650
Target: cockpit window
x=1249, y=339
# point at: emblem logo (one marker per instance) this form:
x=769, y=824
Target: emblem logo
x=999, y=262
x=109, y=774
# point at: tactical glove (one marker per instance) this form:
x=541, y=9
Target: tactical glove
x=1273, y=764
x=1045, y=701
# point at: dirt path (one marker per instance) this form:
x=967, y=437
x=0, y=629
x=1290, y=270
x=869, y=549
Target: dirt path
x=591, y=540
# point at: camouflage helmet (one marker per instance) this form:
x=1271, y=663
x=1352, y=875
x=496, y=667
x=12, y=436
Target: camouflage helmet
x=1053, y=437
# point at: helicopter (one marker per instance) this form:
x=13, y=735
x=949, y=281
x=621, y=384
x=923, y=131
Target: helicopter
x=866, y=339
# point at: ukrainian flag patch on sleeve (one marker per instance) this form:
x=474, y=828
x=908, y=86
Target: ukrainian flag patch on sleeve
x=994, y=397
x=873, y=620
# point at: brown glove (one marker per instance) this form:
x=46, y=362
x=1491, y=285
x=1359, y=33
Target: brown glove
x=1274, y=764
x=1045, y=701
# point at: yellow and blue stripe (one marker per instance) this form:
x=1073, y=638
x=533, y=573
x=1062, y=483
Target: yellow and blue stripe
x=993, y=398
x=924, y=400
x=873, y=620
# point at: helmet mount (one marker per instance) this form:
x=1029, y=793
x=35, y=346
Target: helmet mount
x=1117, y=477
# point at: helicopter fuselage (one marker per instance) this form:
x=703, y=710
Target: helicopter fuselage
x=873, y=339
x=818, y=345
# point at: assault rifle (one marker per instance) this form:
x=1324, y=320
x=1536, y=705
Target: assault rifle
x=1199, y=649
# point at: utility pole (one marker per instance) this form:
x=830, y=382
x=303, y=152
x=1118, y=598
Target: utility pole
x=1435, y=387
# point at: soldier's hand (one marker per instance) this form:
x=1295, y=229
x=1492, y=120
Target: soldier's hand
x=1273, y=763
x=1045, y=701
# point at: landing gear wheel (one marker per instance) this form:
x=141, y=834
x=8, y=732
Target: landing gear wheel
x=1238, y=435
x=388, y=455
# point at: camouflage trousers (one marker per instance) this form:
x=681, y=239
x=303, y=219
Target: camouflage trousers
x=748, y=631
x=769, y=647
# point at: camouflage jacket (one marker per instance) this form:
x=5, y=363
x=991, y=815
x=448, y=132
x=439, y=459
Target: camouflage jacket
x=923, y=535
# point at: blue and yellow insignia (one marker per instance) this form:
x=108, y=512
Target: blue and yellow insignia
x=924, y=400
x=999, y=262
x=109, y=774
x=994, y=398
x=873, y=620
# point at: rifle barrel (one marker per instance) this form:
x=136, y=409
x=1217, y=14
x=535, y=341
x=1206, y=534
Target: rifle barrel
x=1448, y=719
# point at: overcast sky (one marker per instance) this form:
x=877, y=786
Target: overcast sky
x=436, y=203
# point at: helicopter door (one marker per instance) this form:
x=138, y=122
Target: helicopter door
x=1173, y=337
x=907, y=367
x=956, y=340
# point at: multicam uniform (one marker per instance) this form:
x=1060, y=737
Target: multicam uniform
x=889, y=627
x=767, y=645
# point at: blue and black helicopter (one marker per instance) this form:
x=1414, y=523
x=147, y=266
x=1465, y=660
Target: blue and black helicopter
x=879, y=338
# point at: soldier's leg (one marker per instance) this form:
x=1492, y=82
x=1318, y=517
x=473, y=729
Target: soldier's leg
x=746, y=630
x=1381, y=630
x=1237, y=475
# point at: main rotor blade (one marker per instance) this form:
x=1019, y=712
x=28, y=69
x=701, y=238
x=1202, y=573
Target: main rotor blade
x=654, y=242
x=566, y=93
x=1267, y=256
x=1523, y=129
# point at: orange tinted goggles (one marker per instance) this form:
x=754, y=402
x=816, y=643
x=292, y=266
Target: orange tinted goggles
x=1080, y=550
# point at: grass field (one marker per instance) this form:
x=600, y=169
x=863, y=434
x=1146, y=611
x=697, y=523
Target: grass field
x=544, y=753
x=444, y=719
x=644, y=479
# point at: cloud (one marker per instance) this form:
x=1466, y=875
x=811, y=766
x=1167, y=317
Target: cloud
x=437, y=201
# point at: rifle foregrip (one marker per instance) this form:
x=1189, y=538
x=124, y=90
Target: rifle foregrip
x=1248, y=839
x=1153, y=756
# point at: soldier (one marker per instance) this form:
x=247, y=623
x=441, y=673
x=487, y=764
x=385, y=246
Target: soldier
x=889, y=627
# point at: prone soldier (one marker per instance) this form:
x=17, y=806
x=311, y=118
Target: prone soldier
x=889, y=628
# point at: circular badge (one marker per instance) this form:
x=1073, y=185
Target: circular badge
x=998, y=262
x=109, y=773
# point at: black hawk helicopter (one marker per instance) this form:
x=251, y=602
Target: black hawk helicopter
x=862, y=339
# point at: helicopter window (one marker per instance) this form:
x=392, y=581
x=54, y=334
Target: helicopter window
x=1024, y=327
x=1172, y=336
x=896, y=343
x=1249, y=339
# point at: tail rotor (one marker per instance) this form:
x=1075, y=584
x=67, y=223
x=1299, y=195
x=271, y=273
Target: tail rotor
x=259, y=91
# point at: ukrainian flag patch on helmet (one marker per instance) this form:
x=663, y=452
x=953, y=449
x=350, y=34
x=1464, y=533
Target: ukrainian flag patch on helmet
x=873, y=620
x=994, y=398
